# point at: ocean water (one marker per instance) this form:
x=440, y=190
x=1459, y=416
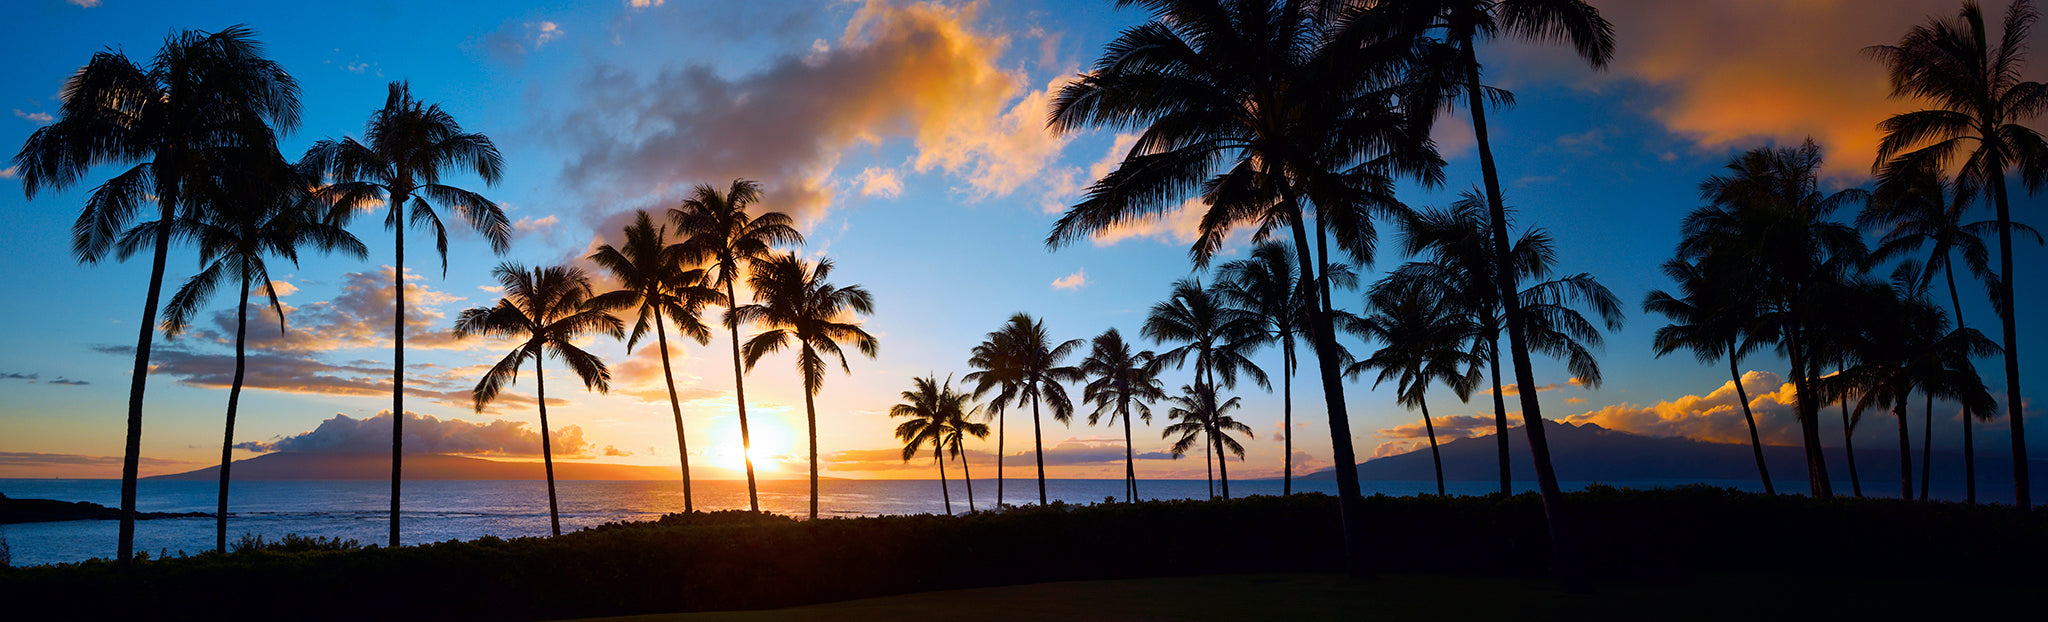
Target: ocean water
x=436, y=511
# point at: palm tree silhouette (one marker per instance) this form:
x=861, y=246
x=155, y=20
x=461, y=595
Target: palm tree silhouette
x=1768, y=217
x=718, y=231
x=1268, y=285
x=1459, y=268
x=411, y=145
x=796, y=303
x=1264, y=112
x=938, y=417
x=1710, y=317
x=202, y=92
x=1205, y=420
x=956, y=442
x=1019, y=362
x=1218, y=338
x=1425, y=342
x=547, y=309
x=1454, y=72
x=651, y=278
x=264, y=210
x=1980, y=107
x=1121, y=380
x=1916, y=211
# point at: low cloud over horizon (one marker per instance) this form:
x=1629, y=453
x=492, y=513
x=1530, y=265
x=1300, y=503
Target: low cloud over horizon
x=426, y=434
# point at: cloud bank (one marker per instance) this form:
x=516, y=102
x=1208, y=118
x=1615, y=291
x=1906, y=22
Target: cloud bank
x=425, y=434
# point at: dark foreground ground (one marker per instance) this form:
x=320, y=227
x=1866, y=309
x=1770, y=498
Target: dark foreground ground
x=1407, y=597
x=1703, y=552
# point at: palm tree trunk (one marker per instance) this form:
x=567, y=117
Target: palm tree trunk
x=939, y=453
x=739, y=389
x=675, y=406
x=131, y=459
x=968, y=475
x=1809, y=420
x=1905, y=452
x=1500, y=420
x=1321, y=331
x=547, y=450
x=1209, y=467
x=999, y=459
x=1756, y=443
x=1434, y=456
x=1130, y=457
x=1955, y=301
x=2021, y=494
x=227, y=443
x=1561, y=543
x=1849, y=450
x=811, y=423
x=398, y=200
x=1038, y=443
x=1286, y=414
x=1222, y=460
x=1926, y=444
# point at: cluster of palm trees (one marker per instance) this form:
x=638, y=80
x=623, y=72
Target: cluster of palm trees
x=200, y=123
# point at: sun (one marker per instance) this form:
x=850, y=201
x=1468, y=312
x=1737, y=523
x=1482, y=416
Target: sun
x=769, y=439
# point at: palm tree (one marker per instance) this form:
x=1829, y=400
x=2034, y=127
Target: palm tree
x=1980, y=107
x=796, y=303
x=1265, y=111
x=1218, y=338
x=266, y=210
x=1202, y=418
x=1462, y=25
x=1019, y=362
x=651, y=277
x=938, y=417
x=547, y=309
x=1268, y=286
x=411, y=145
x=718, y=231
x=958, y=429
x=1425, y=343
x=1710, y=319
x=1121, y=380
x=203, y=91
x=1768, y=218
x=1458, y=267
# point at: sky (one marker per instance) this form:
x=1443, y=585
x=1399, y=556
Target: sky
x=907, y=139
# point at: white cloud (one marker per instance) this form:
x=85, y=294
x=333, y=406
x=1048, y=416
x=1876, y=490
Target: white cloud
x=84, y=3
x=879, y=182
x=12, y=172
x=36, y=117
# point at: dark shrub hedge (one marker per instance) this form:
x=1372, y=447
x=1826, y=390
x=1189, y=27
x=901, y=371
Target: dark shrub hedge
x=740, y=560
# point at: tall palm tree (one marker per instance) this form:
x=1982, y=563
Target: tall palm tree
x=1709, y=317
x=938, y=417
x=1980, y=107
x=1769, y=218
x=411, y=146
x=1460, y=26
x=1202, y=418
x=652, y=278
x=203, y=91
x=1121, y=380
x=1458, y=266
x=266, y=210
x=959, y=428
x=1268, y=286
x=547, y=309
x=1265, y=111
x=1219, y=340
x=1020, y=362
x=718, y=231
x=1424, y=343
x=797, y=305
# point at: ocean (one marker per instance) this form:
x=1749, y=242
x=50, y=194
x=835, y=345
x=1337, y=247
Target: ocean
x=437, y=511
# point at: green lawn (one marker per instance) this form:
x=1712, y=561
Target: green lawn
x=1333, y=597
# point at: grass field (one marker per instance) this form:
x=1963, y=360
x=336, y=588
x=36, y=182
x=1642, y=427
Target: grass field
x=1407, y=597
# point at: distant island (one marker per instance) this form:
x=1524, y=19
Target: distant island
x=295, y=465
x=49, y=511
x=1588, y=452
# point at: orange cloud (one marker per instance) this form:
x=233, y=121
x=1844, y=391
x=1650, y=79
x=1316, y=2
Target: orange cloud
x=1734, y=73
x=1714, y=417
x=920, y=71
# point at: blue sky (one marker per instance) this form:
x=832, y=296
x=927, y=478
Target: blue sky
x=907, y=138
